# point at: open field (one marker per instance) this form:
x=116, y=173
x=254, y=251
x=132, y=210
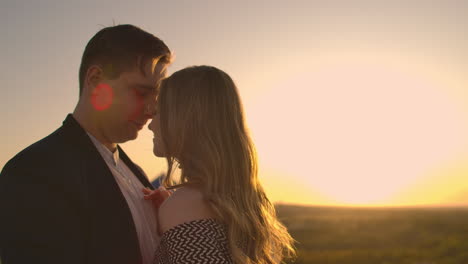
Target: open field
x=344, y=235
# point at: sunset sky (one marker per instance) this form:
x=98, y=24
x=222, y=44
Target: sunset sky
x=348, y=102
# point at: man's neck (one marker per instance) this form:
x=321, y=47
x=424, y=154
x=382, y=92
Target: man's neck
x=86, y=123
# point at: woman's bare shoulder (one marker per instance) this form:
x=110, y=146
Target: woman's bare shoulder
x=184, y=205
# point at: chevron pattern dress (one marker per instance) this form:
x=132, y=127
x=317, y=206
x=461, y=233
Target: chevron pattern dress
x=199, y=241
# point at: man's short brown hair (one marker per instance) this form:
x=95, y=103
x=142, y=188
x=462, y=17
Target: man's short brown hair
x=119, y=48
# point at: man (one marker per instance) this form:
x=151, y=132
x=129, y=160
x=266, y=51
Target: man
x=75, y=196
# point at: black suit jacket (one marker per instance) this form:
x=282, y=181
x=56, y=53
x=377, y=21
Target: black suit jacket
x=60, y=203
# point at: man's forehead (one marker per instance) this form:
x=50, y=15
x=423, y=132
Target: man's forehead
x=149, y=76
x=140, y=81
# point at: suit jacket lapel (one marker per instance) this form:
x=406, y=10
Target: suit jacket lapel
x=139, y=173
x=109, y=214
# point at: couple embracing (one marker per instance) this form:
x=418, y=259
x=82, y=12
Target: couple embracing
x=76, y=197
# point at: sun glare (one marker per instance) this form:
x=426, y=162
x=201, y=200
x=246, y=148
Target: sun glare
x=358, y=133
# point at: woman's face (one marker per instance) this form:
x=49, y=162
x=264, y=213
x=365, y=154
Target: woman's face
x=158, y=145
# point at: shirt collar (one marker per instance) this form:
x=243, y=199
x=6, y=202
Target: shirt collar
x=109, y=156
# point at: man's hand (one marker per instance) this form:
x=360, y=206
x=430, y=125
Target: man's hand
x=157, y=196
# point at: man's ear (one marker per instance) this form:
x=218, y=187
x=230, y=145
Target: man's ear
x=93, y=77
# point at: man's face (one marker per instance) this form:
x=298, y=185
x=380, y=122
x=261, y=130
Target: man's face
x=132, y=103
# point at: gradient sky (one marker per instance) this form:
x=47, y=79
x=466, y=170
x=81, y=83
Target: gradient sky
x=348, y=102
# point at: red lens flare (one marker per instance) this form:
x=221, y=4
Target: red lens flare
x=102, y=97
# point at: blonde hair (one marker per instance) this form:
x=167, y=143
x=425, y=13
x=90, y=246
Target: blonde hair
x=203, y=129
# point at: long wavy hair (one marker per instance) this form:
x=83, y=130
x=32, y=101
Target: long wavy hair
x=204, y=133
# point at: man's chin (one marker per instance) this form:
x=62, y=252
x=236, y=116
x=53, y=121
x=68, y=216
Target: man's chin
x=133, y=136
x=128, y=137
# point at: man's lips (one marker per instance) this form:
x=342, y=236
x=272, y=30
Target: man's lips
x=138, y=125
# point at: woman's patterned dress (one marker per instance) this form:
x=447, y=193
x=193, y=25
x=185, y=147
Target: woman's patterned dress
x=199, y=241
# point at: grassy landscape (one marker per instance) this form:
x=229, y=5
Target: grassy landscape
x=344, y=235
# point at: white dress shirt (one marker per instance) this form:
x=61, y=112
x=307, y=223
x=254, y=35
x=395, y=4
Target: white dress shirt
x=143, y=212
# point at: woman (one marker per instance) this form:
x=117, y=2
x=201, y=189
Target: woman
x=219, y=212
